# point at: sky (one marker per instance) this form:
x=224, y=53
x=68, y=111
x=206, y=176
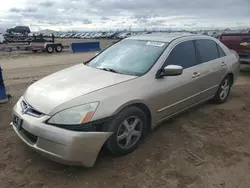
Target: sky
x=96, y=15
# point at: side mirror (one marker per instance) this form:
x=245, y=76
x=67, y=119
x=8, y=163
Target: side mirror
x=172, y=70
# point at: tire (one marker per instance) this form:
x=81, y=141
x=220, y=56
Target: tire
x=225, y=88
x=59, y=48
x=119, y=143
x=49, y=49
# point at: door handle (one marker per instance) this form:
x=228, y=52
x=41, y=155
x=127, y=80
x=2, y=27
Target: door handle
x=223, y=64
x=196, y=74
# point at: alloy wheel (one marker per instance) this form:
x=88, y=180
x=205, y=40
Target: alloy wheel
x=129, y=132
x=224, y=89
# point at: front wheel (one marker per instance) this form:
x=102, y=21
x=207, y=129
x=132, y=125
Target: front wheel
x=49, y=49
x=223, y=91
x=128, y=128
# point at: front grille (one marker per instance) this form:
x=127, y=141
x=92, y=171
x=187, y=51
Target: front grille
x=30, y=136
x=27, y=109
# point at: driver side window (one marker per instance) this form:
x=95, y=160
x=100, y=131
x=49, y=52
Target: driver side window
x=183, y=54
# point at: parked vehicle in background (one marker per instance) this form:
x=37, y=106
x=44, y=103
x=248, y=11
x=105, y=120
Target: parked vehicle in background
x=216, y=35
x=124, y=35
x=71, y=35
x=82, y=36
x=116, y=108
x=2, y=40
x=110, y=35
x=74, y=35
x=239, y=42
x=128, y=34
x=19, y=29
x=205, y=33
x=86, y=35
x=57, y=35
x=79, y=35
x=103, y=35
x=92, y=35
x=97, y=35
x=119, y=35
x=68, y=35
x=63, y=35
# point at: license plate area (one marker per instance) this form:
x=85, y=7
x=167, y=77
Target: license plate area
x=17, y=122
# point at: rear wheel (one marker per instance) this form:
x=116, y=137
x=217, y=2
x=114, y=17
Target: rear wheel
x=59, y=48
x=128, y=128
x=223, y=91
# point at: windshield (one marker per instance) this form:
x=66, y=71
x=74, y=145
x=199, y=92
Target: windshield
x=132, y=57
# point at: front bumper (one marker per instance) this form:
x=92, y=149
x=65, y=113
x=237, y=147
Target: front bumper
x=61, y=145
x=245, y=58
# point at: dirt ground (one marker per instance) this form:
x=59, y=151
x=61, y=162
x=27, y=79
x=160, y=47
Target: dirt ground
x=206, y=147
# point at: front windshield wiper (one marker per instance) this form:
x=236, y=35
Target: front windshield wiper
x=110, y=70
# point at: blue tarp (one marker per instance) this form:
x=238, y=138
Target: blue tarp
x=85, y=47
x=3, y=96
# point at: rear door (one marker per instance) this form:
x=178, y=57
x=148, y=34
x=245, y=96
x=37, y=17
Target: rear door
x=212, y=67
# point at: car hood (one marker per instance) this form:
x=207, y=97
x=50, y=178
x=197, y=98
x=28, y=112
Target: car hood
x=60, y=87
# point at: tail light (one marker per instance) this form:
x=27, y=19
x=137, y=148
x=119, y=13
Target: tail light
x=236, y=54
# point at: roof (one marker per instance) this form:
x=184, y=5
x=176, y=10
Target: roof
x=161, y=37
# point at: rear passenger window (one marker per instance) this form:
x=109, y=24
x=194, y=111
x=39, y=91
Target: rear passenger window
x=183, y=54
x=220, y=51
x=207, y=50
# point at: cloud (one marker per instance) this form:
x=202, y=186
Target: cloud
x=86, y=21
x=105, y=18
x=46, y=4
x=18, y=10
x=30, y=9
x=15, y=10
x=190, y=24
x=113, y=14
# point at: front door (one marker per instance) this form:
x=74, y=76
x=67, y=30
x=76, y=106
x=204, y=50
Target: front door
x=176, y=93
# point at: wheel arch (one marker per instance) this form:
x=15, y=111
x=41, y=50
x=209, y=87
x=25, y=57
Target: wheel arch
x=231, y=76
x=142, y=106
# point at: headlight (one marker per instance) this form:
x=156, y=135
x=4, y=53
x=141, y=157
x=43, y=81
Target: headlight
x=74, y=116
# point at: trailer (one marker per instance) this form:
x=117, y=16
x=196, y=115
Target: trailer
x=45, y=47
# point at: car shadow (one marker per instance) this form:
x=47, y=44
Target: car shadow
x=105, y=160
x=245, y=70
